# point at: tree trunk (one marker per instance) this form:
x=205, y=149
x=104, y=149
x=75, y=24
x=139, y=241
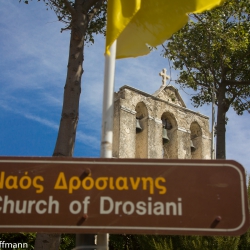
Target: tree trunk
x=72, y=89
x=223, y=107
x=47, y=241
x=70, y=110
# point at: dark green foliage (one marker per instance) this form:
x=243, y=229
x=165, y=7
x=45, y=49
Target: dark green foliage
x=160, y=242
x=209, y=243
x=153, y=242
x=67, y=241
x=124, y=242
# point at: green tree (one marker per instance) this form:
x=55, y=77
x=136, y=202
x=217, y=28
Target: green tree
x=83, y=18
x=213, y=49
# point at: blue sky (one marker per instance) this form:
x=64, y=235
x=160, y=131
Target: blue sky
x=33, y=70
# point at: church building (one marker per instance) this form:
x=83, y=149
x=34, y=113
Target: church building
x=158, y=125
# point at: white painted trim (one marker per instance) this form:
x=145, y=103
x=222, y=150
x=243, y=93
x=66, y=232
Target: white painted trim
x=182, y=129
x=155, y=119
x=128, y=110
x=206, y=137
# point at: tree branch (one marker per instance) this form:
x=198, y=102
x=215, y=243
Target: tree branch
x=232, y=82
x=97, y=7
x=195, y=80
x=88, y=4
x=69, y=7
x=198, y=18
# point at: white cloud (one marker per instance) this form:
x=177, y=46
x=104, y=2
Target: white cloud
x=43, y=121
x=23, y=113
x=88, y=140
x=92, y=141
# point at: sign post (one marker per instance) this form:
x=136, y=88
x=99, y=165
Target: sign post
x=185, y=197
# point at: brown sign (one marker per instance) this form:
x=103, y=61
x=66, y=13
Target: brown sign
x=205, y=197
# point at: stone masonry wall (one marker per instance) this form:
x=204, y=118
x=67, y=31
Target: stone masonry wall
x=185, y=125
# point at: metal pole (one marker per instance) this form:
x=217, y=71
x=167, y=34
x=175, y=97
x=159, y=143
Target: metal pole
x=108, y=104
x=107, y=122
x=213, y=118
x=87, y=241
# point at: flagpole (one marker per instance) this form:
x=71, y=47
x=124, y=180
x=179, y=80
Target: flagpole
x=107, y=122
x=108, y=103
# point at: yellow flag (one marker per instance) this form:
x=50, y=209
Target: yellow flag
x=138, y=23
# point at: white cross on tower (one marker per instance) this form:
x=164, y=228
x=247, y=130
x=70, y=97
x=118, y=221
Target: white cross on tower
x=164, y=76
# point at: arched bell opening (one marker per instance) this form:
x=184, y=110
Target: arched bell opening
x=169, y=136
x=195, y=141
x=141, y=132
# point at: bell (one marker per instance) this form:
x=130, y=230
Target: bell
x=193, y=148
x=165, y=138
x=138, y=126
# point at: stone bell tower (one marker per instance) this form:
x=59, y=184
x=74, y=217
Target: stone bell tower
x=158, y=125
